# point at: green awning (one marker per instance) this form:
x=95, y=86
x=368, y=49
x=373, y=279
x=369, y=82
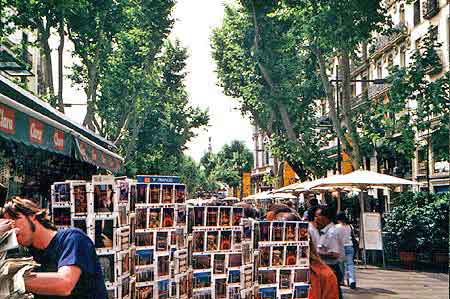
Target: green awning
x=22, y=124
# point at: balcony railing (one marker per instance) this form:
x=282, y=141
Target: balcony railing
x=372, y=92
x=441, y=168
x=385, y=41
x=430, y=8
x=436, y=68
x=422, y=168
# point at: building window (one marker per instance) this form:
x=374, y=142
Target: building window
x=390, y=60
x=417, y=44
x=417, y=13
x=267, y=158
x=402, y=14
x=434, y=33
x=323, y=105
x=379, y=70
x=402, y=57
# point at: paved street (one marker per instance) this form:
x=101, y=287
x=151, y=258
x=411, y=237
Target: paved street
x=376, y=283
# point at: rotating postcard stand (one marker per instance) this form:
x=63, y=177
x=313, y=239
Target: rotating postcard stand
x=283, y=259
x=160, y=238
x=222, y=256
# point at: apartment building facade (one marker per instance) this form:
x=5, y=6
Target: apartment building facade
x=412, y=21
x=265, y=164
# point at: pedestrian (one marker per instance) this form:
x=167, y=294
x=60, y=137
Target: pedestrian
x=330, y=247
x=278, y=210
x=345, y=231
x=324, y=284
x=249, y=210
x=312, y=225
x=69, y=266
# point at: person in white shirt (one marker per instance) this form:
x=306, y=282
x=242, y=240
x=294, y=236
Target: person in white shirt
x=312, y=214
x=345, y=234
x=330, y=247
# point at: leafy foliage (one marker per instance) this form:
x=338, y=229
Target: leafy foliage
x=157, y=135
x=227, y=166
x=418, y=221
x=132, y=75
x=259, y=64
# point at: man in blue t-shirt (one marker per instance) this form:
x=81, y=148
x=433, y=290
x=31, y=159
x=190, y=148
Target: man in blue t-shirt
x=69, y=264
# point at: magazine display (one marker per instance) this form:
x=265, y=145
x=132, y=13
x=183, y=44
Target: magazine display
x=283, y=263
x=102, y=208
x=222, y=252
x=161, y=247
x=152, y=244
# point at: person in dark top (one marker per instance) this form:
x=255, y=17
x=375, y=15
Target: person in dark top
x=69, y=264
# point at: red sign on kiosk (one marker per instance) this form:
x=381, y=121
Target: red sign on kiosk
x=36, y=131
x=58, y=140
x=7, y=120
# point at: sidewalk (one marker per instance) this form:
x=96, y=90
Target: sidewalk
x=377, y=283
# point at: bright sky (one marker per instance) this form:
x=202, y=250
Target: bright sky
x=193, y=25
x=194, y=20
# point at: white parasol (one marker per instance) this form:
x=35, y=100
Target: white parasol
x=361, y=179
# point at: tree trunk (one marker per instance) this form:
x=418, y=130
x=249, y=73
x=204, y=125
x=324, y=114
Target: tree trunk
x=337, y=125
x=352, y=135
x=91, y=96
x=44, y=36
x=61, y=65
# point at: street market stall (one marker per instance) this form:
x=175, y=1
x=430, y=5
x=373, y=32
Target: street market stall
x=39, y=145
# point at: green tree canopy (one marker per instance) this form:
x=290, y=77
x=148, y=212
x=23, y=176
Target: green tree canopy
x=258, y=64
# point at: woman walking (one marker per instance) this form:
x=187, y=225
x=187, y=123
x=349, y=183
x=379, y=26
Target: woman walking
x=345, y=233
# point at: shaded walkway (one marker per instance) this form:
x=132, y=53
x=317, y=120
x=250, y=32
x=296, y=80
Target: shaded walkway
x=377, y=283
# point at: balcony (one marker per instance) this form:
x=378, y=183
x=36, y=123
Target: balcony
x=376, y=90
x=430, y=9
x=357, y=68
x=441, y=169
x=422, y=168
x=384, y=42
x=436, y=67
x=372, y=92
x=261, y=171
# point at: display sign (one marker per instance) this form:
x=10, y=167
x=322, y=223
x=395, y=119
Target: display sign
x=289, y=175
x=246, y=184
x=372, y=231
x=7, y=120
x=159, y=179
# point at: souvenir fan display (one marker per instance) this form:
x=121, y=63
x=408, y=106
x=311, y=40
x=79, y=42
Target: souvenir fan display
x=283, y=263
x=103, y=209
x=222, y=252
x=160, y=237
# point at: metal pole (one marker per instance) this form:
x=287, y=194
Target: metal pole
x=338, y=115
x=382, y=248
x=361, y=228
